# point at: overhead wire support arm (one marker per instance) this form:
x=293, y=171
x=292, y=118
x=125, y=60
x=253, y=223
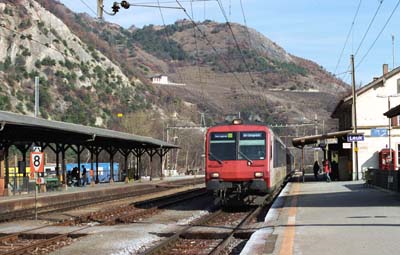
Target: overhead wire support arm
x=125, y=4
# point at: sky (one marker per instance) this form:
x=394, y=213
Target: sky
x=319, y=30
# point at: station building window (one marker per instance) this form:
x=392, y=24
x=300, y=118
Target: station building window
x=395, y=121
x=398, y=86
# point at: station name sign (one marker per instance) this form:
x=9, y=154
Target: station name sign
x=353, y=137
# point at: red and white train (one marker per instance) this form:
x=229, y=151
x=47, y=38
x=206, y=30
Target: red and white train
x=245, y=159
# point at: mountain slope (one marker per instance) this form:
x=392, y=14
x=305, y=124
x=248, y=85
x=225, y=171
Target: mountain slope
x=103, y=68
x=77, y=82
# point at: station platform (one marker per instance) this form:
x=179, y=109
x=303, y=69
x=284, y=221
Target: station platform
x=15, y=203
x=330, y=218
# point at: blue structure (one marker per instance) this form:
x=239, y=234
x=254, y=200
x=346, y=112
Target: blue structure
x=104, y=171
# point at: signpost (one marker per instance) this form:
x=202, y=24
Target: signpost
x=354, y=137
x=379, y=132
x=37, y=162
x=331, y=141
x=37, y=166
x=346, y=145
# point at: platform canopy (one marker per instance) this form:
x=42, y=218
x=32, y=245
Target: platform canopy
x=393, y=112
x=16, y=128
x=300, y=142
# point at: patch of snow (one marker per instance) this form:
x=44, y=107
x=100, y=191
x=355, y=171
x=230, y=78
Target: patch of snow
x=136, y=246
x=195, y=216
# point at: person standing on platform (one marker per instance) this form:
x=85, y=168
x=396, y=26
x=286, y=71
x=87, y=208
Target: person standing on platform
x=316, y=170
x=83, y=175
x=327, y=170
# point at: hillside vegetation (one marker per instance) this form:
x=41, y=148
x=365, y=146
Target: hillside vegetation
x=89, y=71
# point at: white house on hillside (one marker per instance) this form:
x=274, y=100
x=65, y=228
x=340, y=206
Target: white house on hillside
x=372, y=101
x=159, y=79
x=163, y=80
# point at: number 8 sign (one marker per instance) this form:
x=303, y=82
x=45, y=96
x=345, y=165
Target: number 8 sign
x=37, y=162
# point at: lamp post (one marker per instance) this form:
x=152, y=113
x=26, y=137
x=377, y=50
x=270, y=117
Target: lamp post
x=176, y=154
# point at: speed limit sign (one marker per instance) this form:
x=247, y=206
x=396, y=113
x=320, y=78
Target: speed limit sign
x=37, y=162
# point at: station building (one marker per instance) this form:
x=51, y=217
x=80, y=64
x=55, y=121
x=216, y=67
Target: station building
x=380, y=132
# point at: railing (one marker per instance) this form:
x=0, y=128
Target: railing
x=383, y=178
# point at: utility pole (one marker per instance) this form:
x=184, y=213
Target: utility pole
x=354, y=117
x=36, y=96
x=316, y=133
x=393, y=49
x=100, y=9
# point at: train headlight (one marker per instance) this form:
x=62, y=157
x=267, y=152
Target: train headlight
x=237, y=122
x=214, y=175
x=258, y=174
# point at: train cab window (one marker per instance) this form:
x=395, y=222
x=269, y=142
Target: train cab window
x=252, y=145
x=222, y=146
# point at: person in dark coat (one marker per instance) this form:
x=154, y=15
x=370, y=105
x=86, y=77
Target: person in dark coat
x=316, y=170
x=84, y=177
x=74, y=173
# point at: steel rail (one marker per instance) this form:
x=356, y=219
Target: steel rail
x=172, y=239
x=167, y=243
x=226, y=241
x=47, y=242
x=29, y=212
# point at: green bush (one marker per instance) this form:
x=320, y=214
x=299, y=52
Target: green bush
x=47, y=61
x=156, y=42
x=5, y=104
x=25, y=24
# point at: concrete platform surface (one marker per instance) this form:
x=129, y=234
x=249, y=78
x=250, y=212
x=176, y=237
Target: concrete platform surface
x=330, y=218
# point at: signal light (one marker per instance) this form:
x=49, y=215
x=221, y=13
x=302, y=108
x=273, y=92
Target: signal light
x=115, y=7
x=125, y=4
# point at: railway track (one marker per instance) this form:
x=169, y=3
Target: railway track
x=31, y=242
x=134, y=212
x=68, y=205
x=204, y=237
x=25, y=243
x=208, y=239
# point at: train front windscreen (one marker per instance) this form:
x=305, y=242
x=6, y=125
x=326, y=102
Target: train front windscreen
x=237, y=146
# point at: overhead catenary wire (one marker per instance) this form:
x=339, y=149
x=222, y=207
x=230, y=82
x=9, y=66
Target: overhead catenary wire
x=348, y=36
x=33, y=40
x=204, y=36
x=235, y=40
x=369, y=26
x=195, y=41
x=172, y=1
x=169, y=41
x=197, y=56
x=95, y=14
x=245, y=23
x=379, y=34
x=116, y=7
x=250, y=44
x=362, y=40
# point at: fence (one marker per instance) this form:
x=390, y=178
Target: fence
x=384, y=179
